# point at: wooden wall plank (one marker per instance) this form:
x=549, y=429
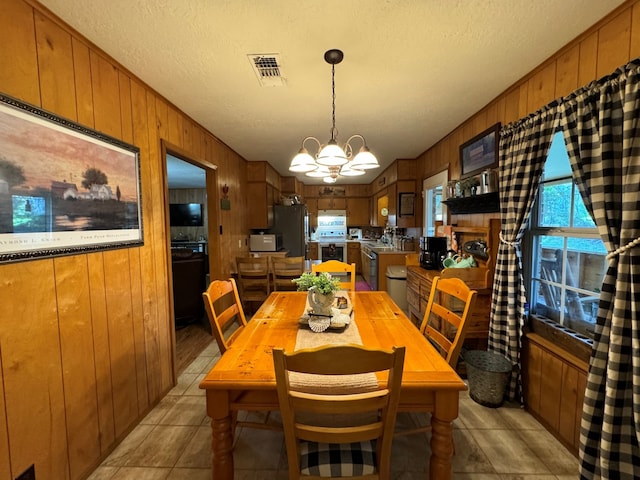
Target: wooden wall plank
x=534, y=377
x=100, y=338
x=634, y=48
x=613, y=43
x=32, y=372
x=541, y=87
x=106, y=96
x=137, y=314
x=174, y=128
x=18, y=49
x=5, y=458
x=122, y=352
x=550, y=390
x=511, y=113
x=566, y=421
x=55, y=63
x=523, y=100
x=567, y=71
x=588, y=59
x=82, y=73
x=126, y=121
x=581, y=388
x=78, y=367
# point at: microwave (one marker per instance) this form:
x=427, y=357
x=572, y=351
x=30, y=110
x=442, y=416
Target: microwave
x=268, y=242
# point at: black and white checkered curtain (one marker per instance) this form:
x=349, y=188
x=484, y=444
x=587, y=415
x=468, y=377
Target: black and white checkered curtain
x=601, y=125
x=524, y=147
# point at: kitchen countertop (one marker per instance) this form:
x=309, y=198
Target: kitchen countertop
x=374, y=246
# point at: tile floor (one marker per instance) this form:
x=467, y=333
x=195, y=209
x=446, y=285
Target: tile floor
x=173, y=442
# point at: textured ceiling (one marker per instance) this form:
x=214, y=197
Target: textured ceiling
x=413, y=69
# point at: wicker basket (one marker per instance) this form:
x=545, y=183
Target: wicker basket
x=488, y=374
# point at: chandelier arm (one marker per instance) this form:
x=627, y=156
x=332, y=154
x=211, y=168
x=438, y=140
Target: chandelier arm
x=364, y=142
x=314, y=139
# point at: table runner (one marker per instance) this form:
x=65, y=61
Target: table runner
x=306, y=338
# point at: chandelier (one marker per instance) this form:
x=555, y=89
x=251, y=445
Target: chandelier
x=331, y=160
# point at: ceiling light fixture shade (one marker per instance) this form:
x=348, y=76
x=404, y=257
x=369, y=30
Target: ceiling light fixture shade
x=332, y=160
x=303, y=162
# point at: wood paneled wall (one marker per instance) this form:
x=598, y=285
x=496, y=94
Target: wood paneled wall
x=611, y=43
x=86, y=341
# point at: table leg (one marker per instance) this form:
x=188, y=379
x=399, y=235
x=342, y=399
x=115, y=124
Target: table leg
x=221, y=435
x=446, y=410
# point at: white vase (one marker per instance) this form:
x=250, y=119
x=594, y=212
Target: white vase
x=319, y=302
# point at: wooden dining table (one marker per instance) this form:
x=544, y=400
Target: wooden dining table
x=243, y=378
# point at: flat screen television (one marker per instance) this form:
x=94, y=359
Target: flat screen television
x=185, y=214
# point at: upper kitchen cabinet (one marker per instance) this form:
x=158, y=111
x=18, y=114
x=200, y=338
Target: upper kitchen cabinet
x=263, y=190
x=291, y=186
x=358, y=211
x=332, y=203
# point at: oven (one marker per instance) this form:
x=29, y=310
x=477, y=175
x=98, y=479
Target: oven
x=333, y=251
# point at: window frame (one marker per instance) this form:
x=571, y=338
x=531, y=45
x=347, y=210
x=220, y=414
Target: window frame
x=533, y=235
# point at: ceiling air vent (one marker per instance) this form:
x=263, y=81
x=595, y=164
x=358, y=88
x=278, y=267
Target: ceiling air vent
x=268, y=69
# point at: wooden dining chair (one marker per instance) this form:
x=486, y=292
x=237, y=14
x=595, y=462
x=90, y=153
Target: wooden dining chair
x=339, y=268
x=227, y=319
x=332, y=429
x=284, y=270
x=223, y=307
x=445, y=323
x=253, y=280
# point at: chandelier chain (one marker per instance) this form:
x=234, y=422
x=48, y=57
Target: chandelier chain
x=333, y=102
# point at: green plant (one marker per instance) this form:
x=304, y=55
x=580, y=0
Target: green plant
x=323, y=282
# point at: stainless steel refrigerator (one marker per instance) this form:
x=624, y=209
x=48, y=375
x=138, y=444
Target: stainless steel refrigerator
x=293, y=223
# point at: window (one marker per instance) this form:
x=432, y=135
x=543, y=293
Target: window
x=568, y=260
x=432, y=188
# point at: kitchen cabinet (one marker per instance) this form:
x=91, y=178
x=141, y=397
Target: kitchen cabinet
x=312, y=254
x=380, y=206
x=261, y=196
x=332, y=203
x=358, y=212
x=353, y=255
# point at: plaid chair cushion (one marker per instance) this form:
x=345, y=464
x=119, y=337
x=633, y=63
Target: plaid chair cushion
x=337, y=460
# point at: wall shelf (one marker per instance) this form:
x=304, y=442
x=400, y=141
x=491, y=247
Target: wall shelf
x=485, y=203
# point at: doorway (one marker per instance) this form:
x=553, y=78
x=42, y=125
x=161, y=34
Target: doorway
x=188, y=220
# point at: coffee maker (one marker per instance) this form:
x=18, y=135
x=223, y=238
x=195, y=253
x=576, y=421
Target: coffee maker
x=432, y=252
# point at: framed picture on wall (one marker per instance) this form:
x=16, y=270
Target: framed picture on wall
x=480, y=153
x=64, y=188
x=406, y=202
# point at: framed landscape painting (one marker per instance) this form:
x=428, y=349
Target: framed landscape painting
x=64, y=188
